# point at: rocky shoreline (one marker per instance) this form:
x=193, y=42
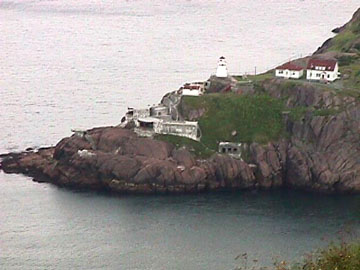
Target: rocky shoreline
x=121, y=161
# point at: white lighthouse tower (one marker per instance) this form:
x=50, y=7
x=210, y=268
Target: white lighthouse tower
x=222, y=71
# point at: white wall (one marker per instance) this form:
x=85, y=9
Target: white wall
x=184, y=129
x=188, y=92
x=292, y=74
x=322, y=75
x=221, y=71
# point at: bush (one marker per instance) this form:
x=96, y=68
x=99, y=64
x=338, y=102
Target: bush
x=343, y=256
x=346, y=60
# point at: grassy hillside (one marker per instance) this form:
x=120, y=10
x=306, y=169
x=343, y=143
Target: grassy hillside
x=253, y=118
x=348, y=39
x=347, y=46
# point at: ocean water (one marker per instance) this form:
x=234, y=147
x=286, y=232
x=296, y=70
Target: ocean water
x=79, y=64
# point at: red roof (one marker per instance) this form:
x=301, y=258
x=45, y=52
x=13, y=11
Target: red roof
x=328, y=64
x=289, y=66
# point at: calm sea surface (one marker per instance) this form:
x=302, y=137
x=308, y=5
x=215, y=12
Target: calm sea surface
x=79, y=64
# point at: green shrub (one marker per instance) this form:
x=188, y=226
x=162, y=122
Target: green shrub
x=197, y=148
x=343, y=256
x=346, y=60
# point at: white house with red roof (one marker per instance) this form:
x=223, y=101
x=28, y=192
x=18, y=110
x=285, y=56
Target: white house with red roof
x=192, y=89
x=322, y=70
x=289, y=71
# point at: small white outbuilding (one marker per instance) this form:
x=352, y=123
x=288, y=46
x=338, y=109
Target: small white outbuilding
x=289, y=71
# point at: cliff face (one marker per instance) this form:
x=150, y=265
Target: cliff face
x=323, y=151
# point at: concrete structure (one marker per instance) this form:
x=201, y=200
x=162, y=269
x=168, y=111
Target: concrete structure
x=148, y=122
x=230, y=148
x=322, y=70
x=159, y=111
x=186, y=129
x=192, y=89
x=149, y=126
x=221, y=71
x=79, y=132
x=135, y=114
x=145, y=127
x=289, y=71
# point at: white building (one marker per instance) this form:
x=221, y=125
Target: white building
x=289, y=71
x=186, y=129
x=159, y=110
x=230, y=148
x=192, y=89
x=221, y=70
x=322, y=70
x=146, y=126
x=149, y=126
x=135, y=114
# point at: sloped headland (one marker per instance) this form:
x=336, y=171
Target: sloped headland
x=294, y=134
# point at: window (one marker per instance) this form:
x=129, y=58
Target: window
x=318, y=75
x=328, y=76
x=223, y=150
x=235, y=149
x=281, y=72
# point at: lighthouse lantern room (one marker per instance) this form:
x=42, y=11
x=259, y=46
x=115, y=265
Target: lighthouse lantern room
x=221, y=71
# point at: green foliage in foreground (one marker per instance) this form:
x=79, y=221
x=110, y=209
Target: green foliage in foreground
x=254, y=118
x=197, y=148
x=343, y=256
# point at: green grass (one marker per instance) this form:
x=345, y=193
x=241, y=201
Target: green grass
x=343, y=256
x=346, y=60
x=342, y=41
x=352, y=75
x=241, y=78
x=197, y=148
x=326, y=112
x=262, y=77
x=254, y=118
x=298, y=113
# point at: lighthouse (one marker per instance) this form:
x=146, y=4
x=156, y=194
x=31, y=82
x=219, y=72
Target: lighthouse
x=221, y=71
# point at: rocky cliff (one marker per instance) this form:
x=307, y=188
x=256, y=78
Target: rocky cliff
x=323, y=149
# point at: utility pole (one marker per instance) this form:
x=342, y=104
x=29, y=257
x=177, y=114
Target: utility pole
x=255, y=70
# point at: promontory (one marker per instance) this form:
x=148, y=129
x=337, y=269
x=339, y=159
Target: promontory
x=294, y=127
